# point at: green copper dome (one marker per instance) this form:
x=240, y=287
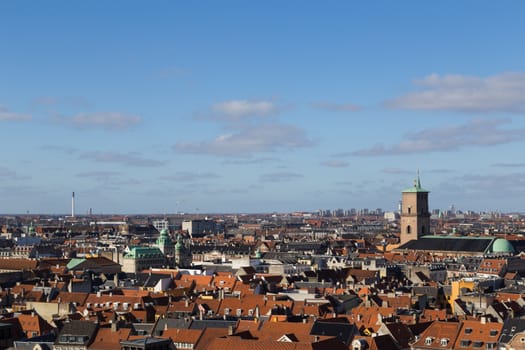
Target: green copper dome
x=179, y=245
x=164, y=238
x=501, y=245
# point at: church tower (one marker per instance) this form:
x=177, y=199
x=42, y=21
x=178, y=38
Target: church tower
x=415, y=216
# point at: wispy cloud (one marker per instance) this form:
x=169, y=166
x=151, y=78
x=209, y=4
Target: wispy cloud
x=336, y=107
x=397, y=171
x=244, y=108
x=7, y=115
x=62, y=149
x=49, y=101
x=103, y=120
x=335, y=163
x=494, y=185
x=250, y=161
x=509, y=165
x=8, y=174
x=250, y=140
x=440, y=171
x=98, y=174
x=235, y=111
x=478, y=132
x=280, y=177
x=498, y=93
x=169, y=72
x=133, y=159
x=187, y=176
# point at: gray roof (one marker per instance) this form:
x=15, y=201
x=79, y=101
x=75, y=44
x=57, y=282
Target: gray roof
x=201, y=324
x=83, y=331
x=144, y=341
x=449, y=243
x=510, y=328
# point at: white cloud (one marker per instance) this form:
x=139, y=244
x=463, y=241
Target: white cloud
x=478, y=132
x=235, y=111
x=336, y=107
x=250, y=140
x=7, y=115
x=102, y=120
x=244, y=108
x=498, y=93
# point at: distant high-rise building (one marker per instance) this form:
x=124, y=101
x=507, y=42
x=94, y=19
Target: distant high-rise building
x=415, y=216
x=161, y=224
x=199, y=227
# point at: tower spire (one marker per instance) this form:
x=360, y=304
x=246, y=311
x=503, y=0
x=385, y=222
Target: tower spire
x=418, y=183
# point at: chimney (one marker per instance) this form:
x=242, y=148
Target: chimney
x=230, y=330
x=483, y=319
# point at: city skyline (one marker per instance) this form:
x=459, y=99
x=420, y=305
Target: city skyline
x=260, y=107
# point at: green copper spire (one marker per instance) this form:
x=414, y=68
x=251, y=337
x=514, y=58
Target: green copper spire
x=417, y=186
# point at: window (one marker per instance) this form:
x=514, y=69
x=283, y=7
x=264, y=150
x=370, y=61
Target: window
x=422, y=229
x=464, y=343
x=490, y=346
x=444, y=341
x=468, y=330
x=428, y=341
x=477, y=344
x=409, y=229
x=493, y=332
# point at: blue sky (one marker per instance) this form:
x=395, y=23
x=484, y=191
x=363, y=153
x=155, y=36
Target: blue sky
x=258, y=106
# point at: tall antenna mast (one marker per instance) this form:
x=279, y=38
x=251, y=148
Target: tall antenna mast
x=73, y=205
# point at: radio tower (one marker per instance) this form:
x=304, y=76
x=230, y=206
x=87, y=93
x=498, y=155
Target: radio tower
x=73, y=205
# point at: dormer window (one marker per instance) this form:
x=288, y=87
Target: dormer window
x=444, y=342
x=468, y=330
x=493, y=332
x=428, y=341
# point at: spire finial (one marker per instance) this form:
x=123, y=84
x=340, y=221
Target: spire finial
x=418, y=185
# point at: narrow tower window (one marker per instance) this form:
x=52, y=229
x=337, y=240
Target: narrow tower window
x=408, y=229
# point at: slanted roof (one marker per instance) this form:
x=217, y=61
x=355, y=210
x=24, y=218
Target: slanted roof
x=510, y=328
x=449, y=243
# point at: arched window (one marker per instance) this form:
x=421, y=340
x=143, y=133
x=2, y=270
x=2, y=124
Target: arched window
x=409, y=229
x=423, y=229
